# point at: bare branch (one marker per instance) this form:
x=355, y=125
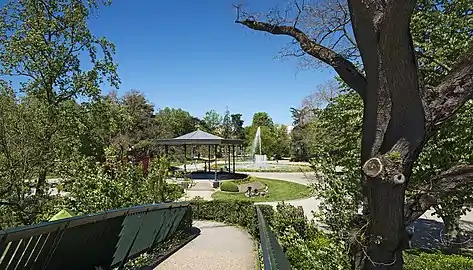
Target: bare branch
x=443, y=185
x=299, y=12
x=346, y=69
x=323, y=94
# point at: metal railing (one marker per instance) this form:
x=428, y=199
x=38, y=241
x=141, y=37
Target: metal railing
x=100, y=241
x=274, y=257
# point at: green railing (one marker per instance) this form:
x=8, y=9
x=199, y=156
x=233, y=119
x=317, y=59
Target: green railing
x=273, y=255
x=99, y=241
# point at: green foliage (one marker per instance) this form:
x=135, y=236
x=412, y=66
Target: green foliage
x=226, y=125
x=239, y=213
x=212, y=120
x=262, y=119
x=442, y=32
x=305, y=245
x=336, y=159
x=156, y=188
x=94, y=188
x=451, y=145
x=303, y=122
x=275, y=142
x=228, y=186
x=237, y=126
x=281, y=146
x=172, y=123
x=436, y=261
x=43, y=45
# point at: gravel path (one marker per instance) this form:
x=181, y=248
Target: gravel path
x=218, y=247
x=202, y=189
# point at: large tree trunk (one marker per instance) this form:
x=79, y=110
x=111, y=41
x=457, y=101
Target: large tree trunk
x=399, y=115
x=393, y=124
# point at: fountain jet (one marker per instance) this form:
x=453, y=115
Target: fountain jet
x=260, y=160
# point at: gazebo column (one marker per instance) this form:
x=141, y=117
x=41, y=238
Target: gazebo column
x=233, y=154
x=216, y=166
x=229, y=161
x=185, y=158
x=209, y=159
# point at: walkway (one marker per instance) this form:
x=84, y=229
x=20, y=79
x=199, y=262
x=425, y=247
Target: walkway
x=218, y=247
x=202, y=188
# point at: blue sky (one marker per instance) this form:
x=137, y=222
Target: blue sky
x=190, y=54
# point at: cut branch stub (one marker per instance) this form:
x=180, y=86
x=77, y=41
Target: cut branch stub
x=399, y=179
x=373, y=167
x=387, y=167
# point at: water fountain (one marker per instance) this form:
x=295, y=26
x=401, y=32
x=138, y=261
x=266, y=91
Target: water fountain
x=260, y=160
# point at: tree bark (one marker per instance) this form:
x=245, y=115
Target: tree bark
x=399, y=116
x=448, y=183
x=393, y=122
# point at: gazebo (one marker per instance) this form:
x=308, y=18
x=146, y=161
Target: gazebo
x=199, y=138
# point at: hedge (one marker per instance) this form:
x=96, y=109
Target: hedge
x=240, y=213
x=417, y=260
x=228, y=186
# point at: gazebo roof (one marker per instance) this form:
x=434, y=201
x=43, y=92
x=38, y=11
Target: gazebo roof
x=199, y=137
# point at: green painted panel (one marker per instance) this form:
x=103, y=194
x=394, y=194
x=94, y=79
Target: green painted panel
x=179, y=215
x=148, y=232
x=167, y=225
x=106, y=239
x=131, y=225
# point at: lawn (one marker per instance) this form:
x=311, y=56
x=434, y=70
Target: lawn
x=278, y=191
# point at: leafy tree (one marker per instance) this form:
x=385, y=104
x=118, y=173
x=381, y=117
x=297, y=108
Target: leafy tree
x=43, y=43
x=302, y=119
x=237, y=126
x=399, y=113
x=175, y=122
x=335, y=147
x=227, y=124
x=212, y=120
x=20, y=157
x=282, y=144
x=113, y=184
x=262, y=119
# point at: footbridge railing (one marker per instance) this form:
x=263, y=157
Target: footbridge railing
x=274, y=257
x=100, y=241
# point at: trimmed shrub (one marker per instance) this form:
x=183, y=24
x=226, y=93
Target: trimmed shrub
x=228, y=186
x=415, y=260
x=241, y=213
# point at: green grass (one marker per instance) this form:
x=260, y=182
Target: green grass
x=278, y=191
